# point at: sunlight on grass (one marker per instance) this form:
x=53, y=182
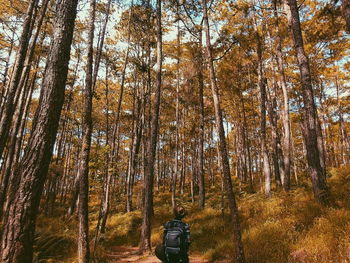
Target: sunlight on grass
x=123, y=229
x=286, y=228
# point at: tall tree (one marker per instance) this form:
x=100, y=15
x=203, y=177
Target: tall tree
x=285, y=172
x=263, y=99
x=262, y=83
x=100, y=44
x=145, y=243
x=176, y=155
x=225, y=165
x=9, y=104
x=83, y=172
x=200, y=78
x=310, y=120
x=25, y=95
x=19, y=222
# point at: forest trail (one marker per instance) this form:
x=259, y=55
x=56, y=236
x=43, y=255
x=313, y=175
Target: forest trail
x=127, y=254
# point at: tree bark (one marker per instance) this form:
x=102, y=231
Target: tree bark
x=342, y=130
x=176, y=155
x=237, y=240
x=275, y=138
x=83, y=172
x=200, y=79
x=263, y=98
x=19, y=222
x=25, y=96
x=9, y=106
x=246, y=144
x=145, y=243
x=104, y=207
x=183, y=155
x=310, y=113
x=134, y=154
x=117, y=124
x=285, y=172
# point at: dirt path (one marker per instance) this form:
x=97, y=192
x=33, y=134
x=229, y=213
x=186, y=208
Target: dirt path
x=127, y=254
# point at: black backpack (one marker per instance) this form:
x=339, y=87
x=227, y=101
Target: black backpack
x=174, y=240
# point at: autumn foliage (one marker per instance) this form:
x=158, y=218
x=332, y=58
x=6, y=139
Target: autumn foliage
x=113, y=112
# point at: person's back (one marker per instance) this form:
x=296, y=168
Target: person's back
x=176, y=239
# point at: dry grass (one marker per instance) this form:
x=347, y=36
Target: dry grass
x=55, y=240
x=286, y=228
x=289, y=228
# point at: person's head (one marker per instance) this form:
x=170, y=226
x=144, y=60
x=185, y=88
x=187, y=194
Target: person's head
x=179, y=212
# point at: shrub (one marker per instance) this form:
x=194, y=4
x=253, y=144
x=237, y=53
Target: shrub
x=326, y=241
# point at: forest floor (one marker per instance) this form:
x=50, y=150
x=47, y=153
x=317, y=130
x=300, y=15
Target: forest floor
x=285, y=228
x=128, y=254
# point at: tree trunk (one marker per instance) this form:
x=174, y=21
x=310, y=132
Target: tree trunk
x=275, y=138
x=145, y=243
x=200, y=79
x=192, y=182
x=263, y=98
x=237, y=240
x=105, y=197
x=19, y=222
x=7, y=66
x=26, y=95
x=116, y=129
x=9, y=106
x=342, y=131
x=100, y=45
x=246, y=144
x=346, y=13
x=129, y=174
x=285, y=172
x=183, y=155
x=134, y=154
x=83, y=172
x=104, y=207
x=310, y=115
x=176, y=156
x=128, y=183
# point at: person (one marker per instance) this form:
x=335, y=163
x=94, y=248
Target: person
x=176, y=239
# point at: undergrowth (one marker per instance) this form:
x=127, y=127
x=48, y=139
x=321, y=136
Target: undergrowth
x=285, y=228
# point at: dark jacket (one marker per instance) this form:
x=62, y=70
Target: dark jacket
x=160, y=249
x=185, y=227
